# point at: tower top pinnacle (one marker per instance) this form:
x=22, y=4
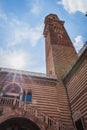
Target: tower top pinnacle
x=52, y=18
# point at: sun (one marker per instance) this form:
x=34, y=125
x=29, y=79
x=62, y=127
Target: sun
x=17, y=61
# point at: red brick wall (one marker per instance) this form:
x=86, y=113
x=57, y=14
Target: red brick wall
x=48, y=95
x=76, y=84
x=60, y=52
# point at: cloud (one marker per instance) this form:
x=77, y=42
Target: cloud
x=16, y=59
x=74, y=6
x=23, y=33
x=36, y=7
x=78, y=43
x=12, y=59
x=19, y=60
x=17, y=32
x=3, y=15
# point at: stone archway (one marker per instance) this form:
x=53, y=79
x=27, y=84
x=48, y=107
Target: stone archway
x=18, y=123
x=14, y=109
x=11, y=113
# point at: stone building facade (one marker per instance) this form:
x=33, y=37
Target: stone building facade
x=55, y=101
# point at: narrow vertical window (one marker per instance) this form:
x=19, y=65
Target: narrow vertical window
x=24, y=96
x=29, y=97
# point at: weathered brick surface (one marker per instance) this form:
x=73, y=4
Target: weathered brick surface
x=46, y=95
x=60, y=53
x=76, y=83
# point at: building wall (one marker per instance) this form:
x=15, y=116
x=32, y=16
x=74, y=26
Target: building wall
x=63, y=106
x=50, y=68
x=64, y=57
x=76, y=83
x=44, y=94
x=48, y=95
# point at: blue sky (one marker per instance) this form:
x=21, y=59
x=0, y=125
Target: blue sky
x=22, y=44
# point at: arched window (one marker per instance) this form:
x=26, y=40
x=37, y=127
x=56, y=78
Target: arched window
x=12, y=90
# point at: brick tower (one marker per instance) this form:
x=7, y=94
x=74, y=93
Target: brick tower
x=58, y=47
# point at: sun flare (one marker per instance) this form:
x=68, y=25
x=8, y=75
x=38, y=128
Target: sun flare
x=17, y=61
